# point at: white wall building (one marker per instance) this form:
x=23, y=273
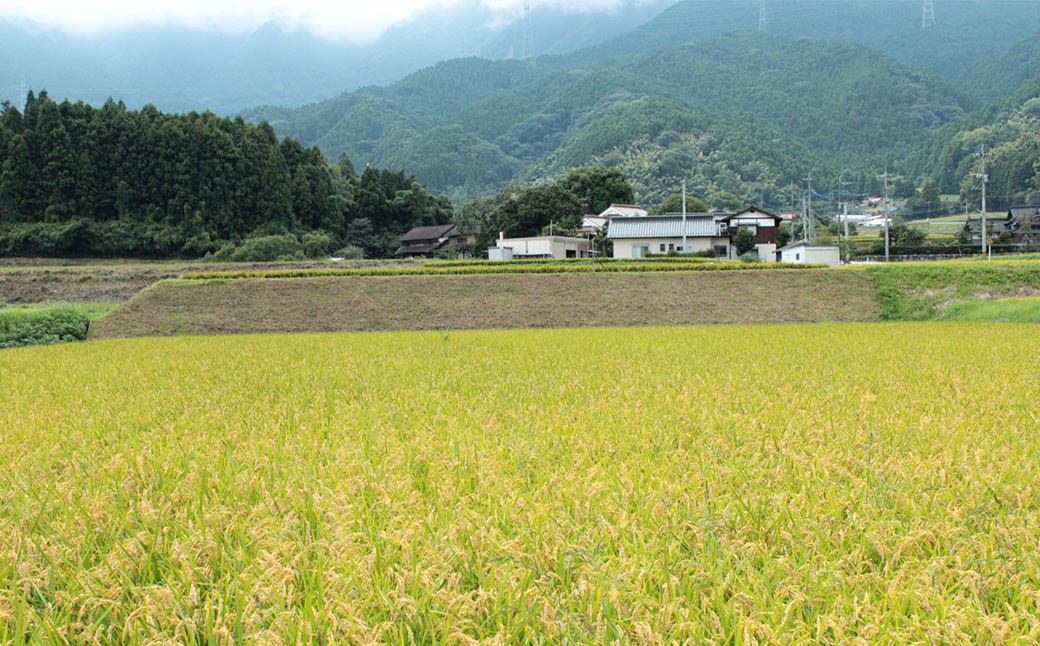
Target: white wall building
x=803, y=253
x=542, y=247
x=637, y=237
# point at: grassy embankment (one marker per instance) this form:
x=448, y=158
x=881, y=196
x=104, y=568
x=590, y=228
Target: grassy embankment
x=928, y=291
x=479, y=294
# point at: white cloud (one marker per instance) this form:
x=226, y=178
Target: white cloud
x=351, y=19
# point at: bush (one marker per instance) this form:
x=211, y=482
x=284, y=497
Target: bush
x=316, y=244
x=20, y=328
x=750, y=256
x=275, y=248
x=350, y=252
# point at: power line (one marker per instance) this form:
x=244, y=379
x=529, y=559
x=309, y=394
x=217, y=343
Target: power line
x=763, y=26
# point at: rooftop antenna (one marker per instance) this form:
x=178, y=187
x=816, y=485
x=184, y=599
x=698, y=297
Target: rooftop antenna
x=928, y=16
x=762, y=24
x=527, y=49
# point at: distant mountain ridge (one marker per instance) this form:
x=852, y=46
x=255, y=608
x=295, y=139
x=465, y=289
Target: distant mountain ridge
x=513, y=121
x=181, y=69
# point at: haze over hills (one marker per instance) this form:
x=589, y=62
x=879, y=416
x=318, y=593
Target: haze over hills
x=780, y=96
x=856, y=84
x=181, y=69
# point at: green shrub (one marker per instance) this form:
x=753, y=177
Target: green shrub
x=41, y=327
x=750, y=256
x=350, y=252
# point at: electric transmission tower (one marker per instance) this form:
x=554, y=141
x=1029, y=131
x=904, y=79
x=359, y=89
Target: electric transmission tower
x=928, y=16
x=762, y=25
x=527, y=48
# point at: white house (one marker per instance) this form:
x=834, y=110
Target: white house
x=636, y=237
x=803, y=253
x=540, y=247
x=591, y=223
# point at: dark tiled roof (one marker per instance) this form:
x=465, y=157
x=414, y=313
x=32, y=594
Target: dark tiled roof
x=428, y=233
x=418, y=249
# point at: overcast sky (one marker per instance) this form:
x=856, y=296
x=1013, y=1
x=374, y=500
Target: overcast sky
x=351, y=19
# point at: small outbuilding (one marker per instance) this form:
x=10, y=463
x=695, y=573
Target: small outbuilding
x=540, y=247
x=803, y=253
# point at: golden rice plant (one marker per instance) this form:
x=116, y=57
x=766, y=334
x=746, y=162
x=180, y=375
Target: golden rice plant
x=718, y=485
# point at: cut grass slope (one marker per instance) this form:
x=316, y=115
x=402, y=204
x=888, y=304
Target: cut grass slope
x=922, y=291
x=1017, y=310
x=493, y=301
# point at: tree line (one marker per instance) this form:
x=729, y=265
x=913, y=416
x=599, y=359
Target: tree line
x=108, y=181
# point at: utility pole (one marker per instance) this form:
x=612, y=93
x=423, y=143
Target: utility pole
x=845, y=213
x=885, y=177
x=809, y=215
x=762, y=25
x=684, y=216
x=983, y=179
x=928, y=16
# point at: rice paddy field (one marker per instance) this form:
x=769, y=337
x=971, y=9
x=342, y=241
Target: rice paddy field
x=718, y=485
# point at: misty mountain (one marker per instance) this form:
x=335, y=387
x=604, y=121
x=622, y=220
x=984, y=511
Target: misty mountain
x=183, y=69
x=966, y=32
x=780, y=97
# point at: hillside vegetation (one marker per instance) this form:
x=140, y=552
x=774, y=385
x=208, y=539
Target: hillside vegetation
x=77, y=180
x=744, y=111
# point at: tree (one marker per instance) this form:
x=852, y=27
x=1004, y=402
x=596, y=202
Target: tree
x=744, y=241
x=673, y=204
x=927, y=202
x=901, y=235
x=783, y=235
x=597, y=187
x=726, y=200
x=903, y=189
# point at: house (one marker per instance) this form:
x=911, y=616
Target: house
x=802, y=253
x=636, y=237
x=592, y=223
x=622, y=211
x=1027, y=223
x=994, y=225
x=432, y=240
x=539, y=247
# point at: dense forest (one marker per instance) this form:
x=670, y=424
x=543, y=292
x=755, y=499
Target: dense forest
x=78, y=180
x=745, y=112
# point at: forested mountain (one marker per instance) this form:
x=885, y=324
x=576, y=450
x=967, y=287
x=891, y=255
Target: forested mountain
x=997, y=77
x=179, y=68
x=776, y=105
x=77, y=180
x=965, y=33
x=1011, y=134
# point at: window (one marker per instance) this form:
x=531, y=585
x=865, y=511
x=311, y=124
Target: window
x=798, y=256
x=671, y=246
x=720, y=251
x=662, y=247
x=640, y=251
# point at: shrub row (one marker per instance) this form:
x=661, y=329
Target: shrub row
x=435, y=270
x=41, y=327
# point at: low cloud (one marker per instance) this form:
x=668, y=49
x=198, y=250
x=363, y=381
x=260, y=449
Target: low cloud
x=348, y=19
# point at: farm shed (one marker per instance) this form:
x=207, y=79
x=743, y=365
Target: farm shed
x=541, y=247
x=802, y=253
